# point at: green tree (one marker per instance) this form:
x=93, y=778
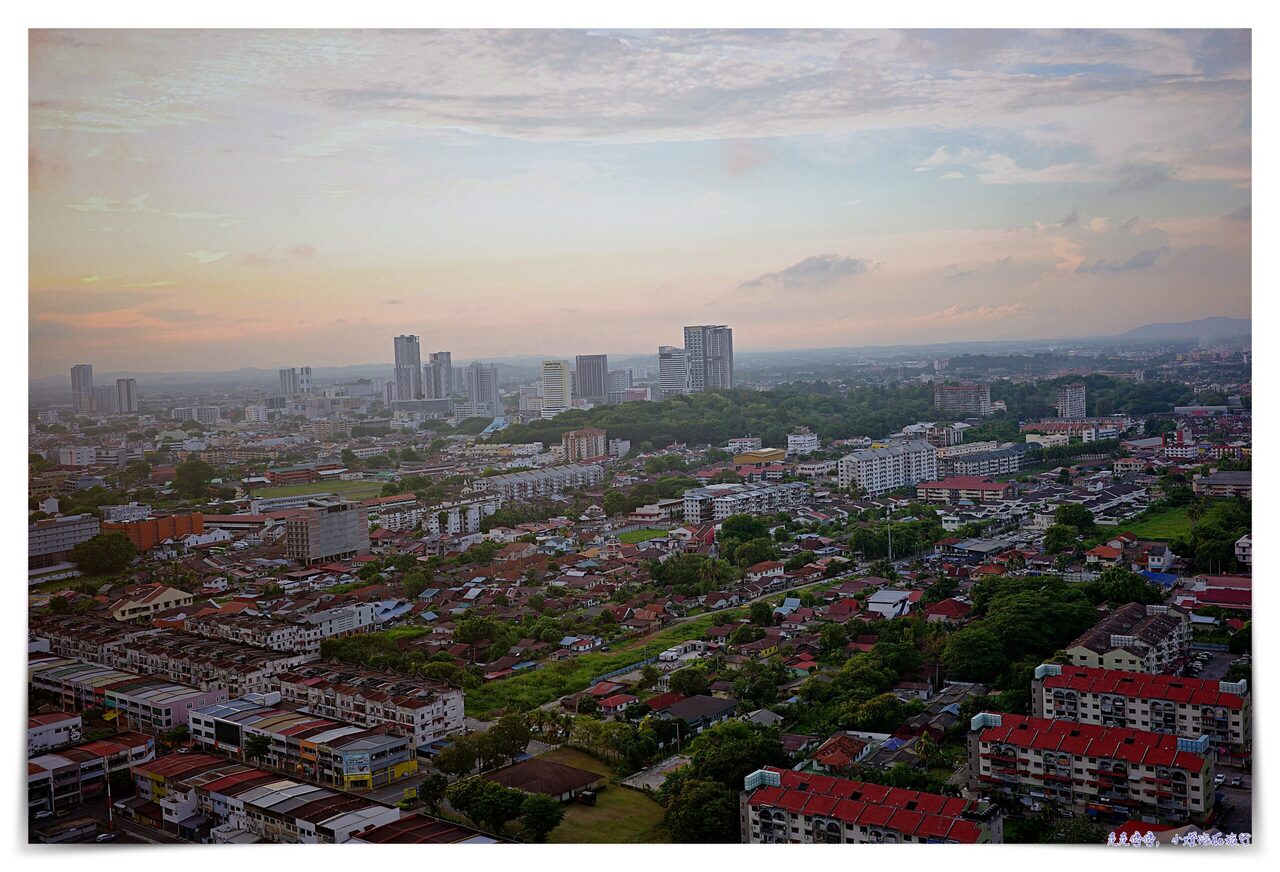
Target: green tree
x=702, y=812
x=510, y=736
x=432, y=791
x=458, y=758
x=762, y=613
x=257, y=746
x=540, y=814
x=191, y=478
x=1075, y=516
x=103, y=554
x=689, y=681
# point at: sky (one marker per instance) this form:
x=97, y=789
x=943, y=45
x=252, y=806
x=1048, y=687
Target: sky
x=210, y=200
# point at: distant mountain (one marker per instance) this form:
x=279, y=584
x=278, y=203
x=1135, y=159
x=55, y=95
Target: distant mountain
x=1217, y=327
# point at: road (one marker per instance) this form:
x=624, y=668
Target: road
x=1236, y=808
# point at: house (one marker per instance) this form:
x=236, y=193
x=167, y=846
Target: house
x=148, y=602
x=617, y=704
x=701, y=711
x=581, y=644
x=840, y=753
x=1104, y=555
x=950, y=611
x=767, y=569
x=890, y=603
x=548, y=777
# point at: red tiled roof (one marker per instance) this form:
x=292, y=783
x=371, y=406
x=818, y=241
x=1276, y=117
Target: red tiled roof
x=1092, y=740
x=1140, y=685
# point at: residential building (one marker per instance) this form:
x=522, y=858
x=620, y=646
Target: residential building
x=592, y=378
x=637, y=395
x=147, y=533
x=1224, y=484
x=781, y=806
x=61, y=779
x=802, y=441
x=715, y=502
x=1071, y=402
x=152, y=600
x=549, y=481
x=77, y=455
x=976, y=489
x=52, y=730
x=104, y=399
x=1000, y=461
x=327, y=530
x=963, y=400
x=82, y=387
x=50, y=540
x=482, y=390
x=586, y=443
x=619, y=384
x=438, y=380
x=877, y=470
x=1185, y=707
x=673, y=371
x=1244, y=549
x=557, y=387
x=408, y=368
x=1114, y=773
x=1135, y=638
x=257, y=414
x=202, y=414
x=290, y=384
x=709, y=349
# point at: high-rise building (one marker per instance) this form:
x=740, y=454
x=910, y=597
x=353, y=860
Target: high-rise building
x=1071, y=401
x=482, y=390
x=305, y=384
x=290, y=384
x=438, y=378
x=327, y=530
x=557, y=387
x=104, y=398
x=127, y=396
x=202, y=414
x=876, y=470
x=966, y=400
x=587, y=443
x=592, y=377
x=408, y=368
x=619, y=382
x=673, y=371
x=82, y=386
x=709, y=348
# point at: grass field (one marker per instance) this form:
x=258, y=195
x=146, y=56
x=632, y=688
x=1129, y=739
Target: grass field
x=536, y=687
x=355, y=490
x=637, y=536
x=620, y=815
x=1162, y=525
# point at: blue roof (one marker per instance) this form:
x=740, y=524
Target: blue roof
x=1167, y=579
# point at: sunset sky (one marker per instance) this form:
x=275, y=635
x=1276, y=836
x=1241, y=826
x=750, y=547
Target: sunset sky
x=218, y=199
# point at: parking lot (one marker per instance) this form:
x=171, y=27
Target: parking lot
x=1235, y=803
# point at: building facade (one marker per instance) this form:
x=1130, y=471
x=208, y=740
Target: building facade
x=1071, y=401
x=709, y=348
x=408, y=368
x=327, y=530
x=592, y=378
x=877, y=470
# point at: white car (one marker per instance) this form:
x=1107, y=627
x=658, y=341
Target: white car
x=1218, y=780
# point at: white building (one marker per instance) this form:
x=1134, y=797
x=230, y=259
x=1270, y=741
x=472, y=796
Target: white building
x=744, y=444
x=79, y=455
x=876, y=470
x=673, y=371
x=557, y=387
x=715, y=502
x=1071, y=401
x=256, y=414
x=802, y=441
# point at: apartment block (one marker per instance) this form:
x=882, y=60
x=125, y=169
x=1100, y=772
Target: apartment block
x=50, y=540
x=877, y=470
x=1116, y=773
x=147, y=533
x=587, y=443
x=963, y=400
x=973, y=488
x=715, y=502
x=1071, y=401
x=1185, y=707
x=1135, y=638
x=327, y=530
x=781, y=806
x=546, y=482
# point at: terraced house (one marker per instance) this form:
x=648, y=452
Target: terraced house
x=804, y=808
x=1116, y=773
x=1186, y=707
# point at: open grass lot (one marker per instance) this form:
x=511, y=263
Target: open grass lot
x=637, y=536
x=355, y=490
x=1163, y=525
x=620, y=815
x=539, y=686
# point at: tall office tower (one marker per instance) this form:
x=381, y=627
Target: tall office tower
x=305, y=385
x=557, y=389
x=1071, y=401
x=593, y=377
x=482, y=390
x=673, y=371
x=82, y=386
x=438, y=381
x=408, y=368
x=619, y=381
x=290, y=384
x=127, y=396
x=459, y=380
x=710, y=351
x=104, y=398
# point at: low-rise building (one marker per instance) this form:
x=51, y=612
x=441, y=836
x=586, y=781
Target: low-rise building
x=978, y=489
x=1134, y=638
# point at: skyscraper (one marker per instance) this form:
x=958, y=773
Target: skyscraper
x=438, y=382
x=482, y=390
x=1071, y=401
x=305, y=385
x=104, y=398
x=82, y=386
x=557, y=389
x=289, y=382
x=127, y=396
x=408, y=368
x=593, y=377
x=619, y=381
x=710, y=352
x=673, y=371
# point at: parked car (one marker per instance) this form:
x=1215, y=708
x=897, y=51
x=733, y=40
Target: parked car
x=41, y=815
x=105, y=837
x=1218, y=780
x=1237, y=782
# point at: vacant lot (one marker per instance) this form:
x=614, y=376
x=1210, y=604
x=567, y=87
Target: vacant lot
x=354, y=490
x=1162, y=525
x=620, y=815
x=637, y=536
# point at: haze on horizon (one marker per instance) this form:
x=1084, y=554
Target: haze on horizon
x=221, y=199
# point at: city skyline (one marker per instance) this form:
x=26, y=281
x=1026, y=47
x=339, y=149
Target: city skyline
x=998, y=185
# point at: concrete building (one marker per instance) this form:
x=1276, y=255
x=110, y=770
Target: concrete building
x=802, y=441
x=127, y=396
x=781, y=806
x=1071, y=401
x=709, y=348
x=974, y=488
x=408, y=368
x=104, y=399
x=549, y=481
x=591, y=378
x=715, y=502
x=877, y=470
x=327, y=530
x=202, y=414
x=586, y=443
x=557, y=387
x=963, y=400
x=289, y=382
x=49, y=541
x=82, y=387
x=438, y=378
x=1134, y=638
x=673, y=371
x=619, y=384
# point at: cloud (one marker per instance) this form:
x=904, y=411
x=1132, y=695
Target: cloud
x=204, y=256
x=952, y=175
x=816, y=271
x=741, y=156
x=1070, y=218
x=1244, y=213
x=1000, y=169
x=106, y=204
x=1141, y=260
x=163, y=283
x=1140, y=178
x=92, y=279
x=300, y=251
x=393, y=302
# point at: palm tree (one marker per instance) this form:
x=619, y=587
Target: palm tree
x=1195, y=512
